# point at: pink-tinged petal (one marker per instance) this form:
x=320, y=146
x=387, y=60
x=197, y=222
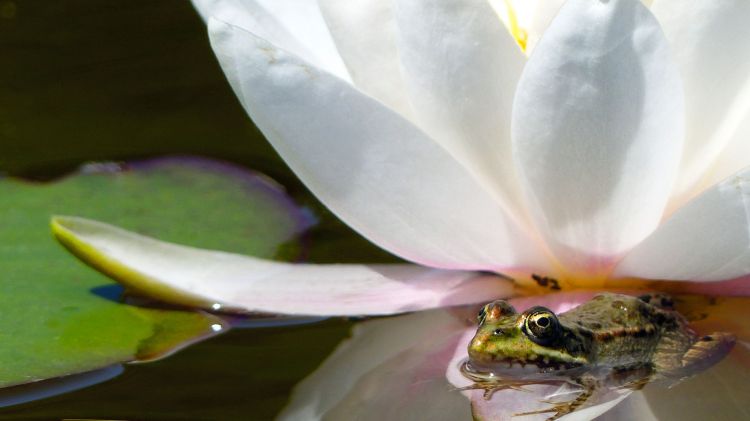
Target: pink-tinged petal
x=597, y=130
x=365, y=34
x=708, y=39
x=390, y=369
x=461, y=68
x=708, y=239
x=370, y=166
x=205, y=278
x=295, y=25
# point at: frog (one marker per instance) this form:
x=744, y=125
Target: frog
x=610, y=341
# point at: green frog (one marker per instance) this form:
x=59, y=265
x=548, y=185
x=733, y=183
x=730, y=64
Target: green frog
x=611, y=341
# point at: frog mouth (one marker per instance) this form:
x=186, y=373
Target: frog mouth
x=514, y=367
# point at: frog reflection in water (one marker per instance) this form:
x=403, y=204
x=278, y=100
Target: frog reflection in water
x=611, y=341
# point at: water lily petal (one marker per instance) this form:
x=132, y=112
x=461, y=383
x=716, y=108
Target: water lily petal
x=370, y=166
x=390, y=369
x=461, y=67
x=365, y=34
x=709, y=41
x=206, y=278
x=708, y=239
x=597, y=129
x=295, y=25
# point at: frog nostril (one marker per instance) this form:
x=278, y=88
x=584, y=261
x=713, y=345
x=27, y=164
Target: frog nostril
x=497, y=332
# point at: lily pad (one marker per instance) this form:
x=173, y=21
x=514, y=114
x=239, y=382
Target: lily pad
x=59, y=317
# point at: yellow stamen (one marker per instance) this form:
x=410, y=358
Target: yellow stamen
x=508, y=15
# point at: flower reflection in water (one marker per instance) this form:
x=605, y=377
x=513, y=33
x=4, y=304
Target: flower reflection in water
x=408, y=367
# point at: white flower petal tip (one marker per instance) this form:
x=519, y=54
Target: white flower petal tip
x=708, y=239
x=709, y=41
x=373, y=168
x=297, y=26
x=203, y=278
x=597, y=129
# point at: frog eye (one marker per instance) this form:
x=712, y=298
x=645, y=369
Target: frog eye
x=541, y=325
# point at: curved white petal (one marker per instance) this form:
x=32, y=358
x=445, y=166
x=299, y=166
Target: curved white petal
x=295, y=25
x=708, y=239
x=734, y=157
x=204, y=278
x=709, y=40
x=370, y=166
x=597, y=129
x=390, y=369
x=461, y=69
x=364, y=31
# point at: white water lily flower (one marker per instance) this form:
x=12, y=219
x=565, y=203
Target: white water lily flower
x=425, y=127
x=611, y=146
x=614, y=151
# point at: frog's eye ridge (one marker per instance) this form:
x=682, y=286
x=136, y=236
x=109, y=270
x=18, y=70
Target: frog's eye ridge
x=495, y=311
x=482, y=314
x=541, y=325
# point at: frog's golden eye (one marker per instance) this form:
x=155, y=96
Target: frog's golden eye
x=541, y=325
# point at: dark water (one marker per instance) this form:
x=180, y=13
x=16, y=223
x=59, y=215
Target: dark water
x=244, y=374
x=86, y=80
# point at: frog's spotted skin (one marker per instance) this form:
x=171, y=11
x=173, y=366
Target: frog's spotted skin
x=613, y=340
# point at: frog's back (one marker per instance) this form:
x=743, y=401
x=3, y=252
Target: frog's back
x=611, y=312
x=624, y=329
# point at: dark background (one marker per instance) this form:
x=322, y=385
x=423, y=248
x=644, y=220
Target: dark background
x=101, y=79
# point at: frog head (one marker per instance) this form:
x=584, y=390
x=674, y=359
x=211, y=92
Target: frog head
x=533, y=340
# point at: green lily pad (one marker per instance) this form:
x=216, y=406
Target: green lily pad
x=60, y=317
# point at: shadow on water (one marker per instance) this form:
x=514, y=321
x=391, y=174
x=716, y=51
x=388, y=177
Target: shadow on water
x=17, y=395
x=112, y=292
